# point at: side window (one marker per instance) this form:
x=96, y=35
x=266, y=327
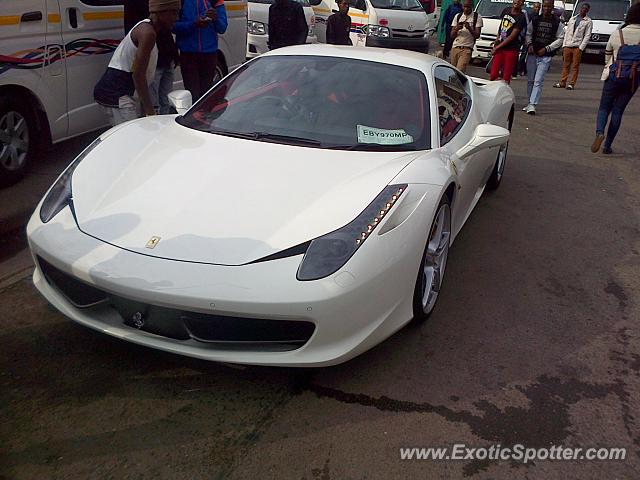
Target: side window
x=315, y=2
x=102, y=3
x=454, y=102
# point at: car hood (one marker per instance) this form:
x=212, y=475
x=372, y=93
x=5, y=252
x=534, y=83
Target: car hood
x=216, y=199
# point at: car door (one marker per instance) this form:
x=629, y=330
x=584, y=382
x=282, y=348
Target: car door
x=91, y=31
x=454, y=106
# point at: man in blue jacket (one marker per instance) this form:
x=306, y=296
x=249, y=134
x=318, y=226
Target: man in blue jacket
x=197, y=39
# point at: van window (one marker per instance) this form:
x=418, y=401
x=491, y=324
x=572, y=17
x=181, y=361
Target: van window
x=397, y=4
x=492, y=8
x=606, y=9
x=454, y=102
x=102, y=3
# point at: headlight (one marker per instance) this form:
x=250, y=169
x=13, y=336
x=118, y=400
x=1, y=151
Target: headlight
x=60, y=194
x=327, y=254
x=378, y=31
x=256, y=28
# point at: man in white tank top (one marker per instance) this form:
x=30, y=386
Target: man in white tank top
x=133, y=64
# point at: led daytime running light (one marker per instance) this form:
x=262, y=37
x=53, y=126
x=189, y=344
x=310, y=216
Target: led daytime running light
x=376, y=220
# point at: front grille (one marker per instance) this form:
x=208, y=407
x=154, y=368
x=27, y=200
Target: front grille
x=400, y=33
x=239, y=333
x=80, y=294
x=488, y=38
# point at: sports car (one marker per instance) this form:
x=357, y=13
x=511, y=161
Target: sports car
x=297, y=214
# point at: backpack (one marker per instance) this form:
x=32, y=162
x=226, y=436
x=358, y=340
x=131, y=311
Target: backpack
x=626, y=66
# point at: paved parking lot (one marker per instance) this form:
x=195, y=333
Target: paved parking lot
x=535, y=340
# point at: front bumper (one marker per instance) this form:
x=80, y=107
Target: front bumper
x=351, y=311
x=420, y=45
x=596, y=48
x=482, y=48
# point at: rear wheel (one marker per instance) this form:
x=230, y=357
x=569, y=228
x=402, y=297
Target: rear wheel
x=17, y=140
x=433, y=264
x=501, y=161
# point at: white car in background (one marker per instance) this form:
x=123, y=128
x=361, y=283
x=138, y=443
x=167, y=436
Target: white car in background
x=258, y=25
x=607, y=17
x=285, y=218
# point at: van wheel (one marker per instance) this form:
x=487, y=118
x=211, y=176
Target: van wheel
x=17, y=140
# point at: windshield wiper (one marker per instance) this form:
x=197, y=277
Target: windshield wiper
x=286, y=138
x=269, y=136
x=374, y=147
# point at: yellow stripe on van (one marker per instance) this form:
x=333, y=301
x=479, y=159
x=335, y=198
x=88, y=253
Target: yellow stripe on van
x=359, y=15
x=53, y=18
x=321, y=10
x=103, y=15
x=235, y=8
x=9, y=19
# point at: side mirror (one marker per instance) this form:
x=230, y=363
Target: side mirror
x=181, y=100
x=485, y=136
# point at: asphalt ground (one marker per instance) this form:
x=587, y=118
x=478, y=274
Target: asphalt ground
x=535, y=341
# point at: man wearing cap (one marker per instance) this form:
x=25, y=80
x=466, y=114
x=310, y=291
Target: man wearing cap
x=132, y=67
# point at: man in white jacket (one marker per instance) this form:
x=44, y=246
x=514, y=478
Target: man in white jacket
x=576, y=37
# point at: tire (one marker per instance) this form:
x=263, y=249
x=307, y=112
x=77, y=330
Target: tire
x=501, y=162
x=433, y=263
x=221, y=70
x=18, y=134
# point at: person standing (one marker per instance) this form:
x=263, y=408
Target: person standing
x=134, y=12
x=452, y=10
x=576, y=37
x=621, y=77
x=339, y=25
x=508, y=42
x=197, y=39
x=133, y=65
x=544, y=38
x=287, y=24
x=535, y=9
x=465, y=30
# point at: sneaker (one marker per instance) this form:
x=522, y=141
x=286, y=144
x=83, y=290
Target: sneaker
x=558, y=85
x=595, y=146
x=569, y=87
x=607, y=150
x=524, y=109
x=531, y=109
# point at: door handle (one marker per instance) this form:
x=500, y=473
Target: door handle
x=31, y=17
x=73, y=17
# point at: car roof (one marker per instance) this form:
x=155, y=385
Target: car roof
x=402, y=58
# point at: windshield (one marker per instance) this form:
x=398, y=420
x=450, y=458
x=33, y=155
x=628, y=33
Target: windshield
x=325, y=102
x=606, y=9
x=398, y=4
x=492, y=8
x=304, y=3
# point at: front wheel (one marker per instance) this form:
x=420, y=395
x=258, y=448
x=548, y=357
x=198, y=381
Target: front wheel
x=433, y=264
x=501, y=161
x=17, y=140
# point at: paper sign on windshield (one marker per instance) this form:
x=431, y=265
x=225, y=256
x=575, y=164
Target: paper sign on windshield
x=383, y=137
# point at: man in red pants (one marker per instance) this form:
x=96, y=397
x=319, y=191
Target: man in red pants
x=508, y=43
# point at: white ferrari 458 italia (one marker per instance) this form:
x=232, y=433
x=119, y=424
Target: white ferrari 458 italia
x=298, y=214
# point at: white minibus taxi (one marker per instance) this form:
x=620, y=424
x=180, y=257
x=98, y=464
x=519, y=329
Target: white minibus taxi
x=381, y=23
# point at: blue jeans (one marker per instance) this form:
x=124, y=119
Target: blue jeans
x=615, y=98
x=160, y=88
x=537, y=68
